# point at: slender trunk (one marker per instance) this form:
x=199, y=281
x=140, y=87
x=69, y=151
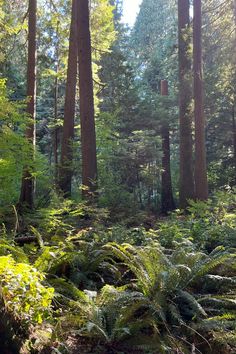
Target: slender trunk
x=88, y=134
x=139, y=188
x=167, y=200
x=149, y=189
x=55, y=149
x=185, y=116
x=201, y=185
x=234, y=103
x=66, y=169
x=28, y=181
x=55, y=145
x=234, y=138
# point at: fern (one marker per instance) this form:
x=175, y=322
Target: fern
x=162, y=285
x=16, y=252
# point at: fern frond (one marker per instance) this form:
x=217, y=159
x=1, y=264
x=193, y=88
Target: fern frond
x=67, y=290
x=16, y=252
x=191, y=303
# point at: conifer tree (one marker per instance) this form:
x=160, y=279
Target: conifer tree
x=88, y=135
x=201, y=185
x=167, y=200
x=234, y=99
x=69, y=110
x=28, y=182
x=185, y=117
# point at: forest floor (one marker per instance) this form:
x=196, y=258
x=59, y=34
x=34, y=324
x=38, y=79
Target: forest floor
x=140, y=284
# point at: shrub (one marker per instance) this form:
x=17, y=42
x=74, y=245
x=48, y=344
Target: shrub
x=22, y=290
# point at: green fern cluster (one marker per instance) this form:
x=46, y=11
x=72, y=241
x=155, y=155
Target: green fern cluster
x=161, y=305
x=64, y=217
x=138, y=297
x=208, y=224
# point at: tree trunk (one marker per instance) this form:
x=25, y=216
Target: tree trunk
x=55, y=142
x=55, y=135
x=28, y=181
x=185, y=116
x=66, y=169
x=88, y=135
x=234, y=103
x=234, y=138
x=167, y=200
x=201, y=185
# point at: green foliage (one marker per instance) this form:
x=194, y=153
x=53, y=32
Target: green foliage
x=17, y=253
x=23, y=292
x=208, y=224
x=114, y=277
x=15, y=150
x=158, y=305
x=220, y=83
x=172, y=233
x=14, y=147
x=63, y=217
x=213, y=223
x=160, y=291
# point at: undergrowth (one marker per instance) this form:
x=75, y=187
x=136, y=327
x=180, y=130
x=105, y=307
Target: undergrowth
x=83, y=284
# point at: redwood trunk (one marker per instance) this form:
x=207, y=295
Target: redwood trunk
x=234, y=103
x=234, y=139
x=55, y=135
x=28, y=181
x=66, y=170
x=167, y=200
x=185, y=116
x=55, y=142
x=201, y=186
x=88, y=135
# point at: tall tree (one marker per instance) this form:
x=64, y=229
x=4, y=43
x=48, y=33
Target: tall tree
x=167, y=200
x=87, y=120
x=69, y=110
x=234, y=98
x=185, y=117
x=219, y=86
x=201, y=185
x=28, y=181
x=56, y=96
x=154, y=40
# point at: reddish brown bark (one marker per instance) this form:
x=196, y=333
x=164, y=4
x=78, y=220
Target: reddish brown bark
x=55, y=140
x=185, y=117
x=167, y=200
x=66, y=169
x=234, y=138
x=55, y=135
x=88, y=134
x=201, y=185
x=234, y=103
x=28, y=181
